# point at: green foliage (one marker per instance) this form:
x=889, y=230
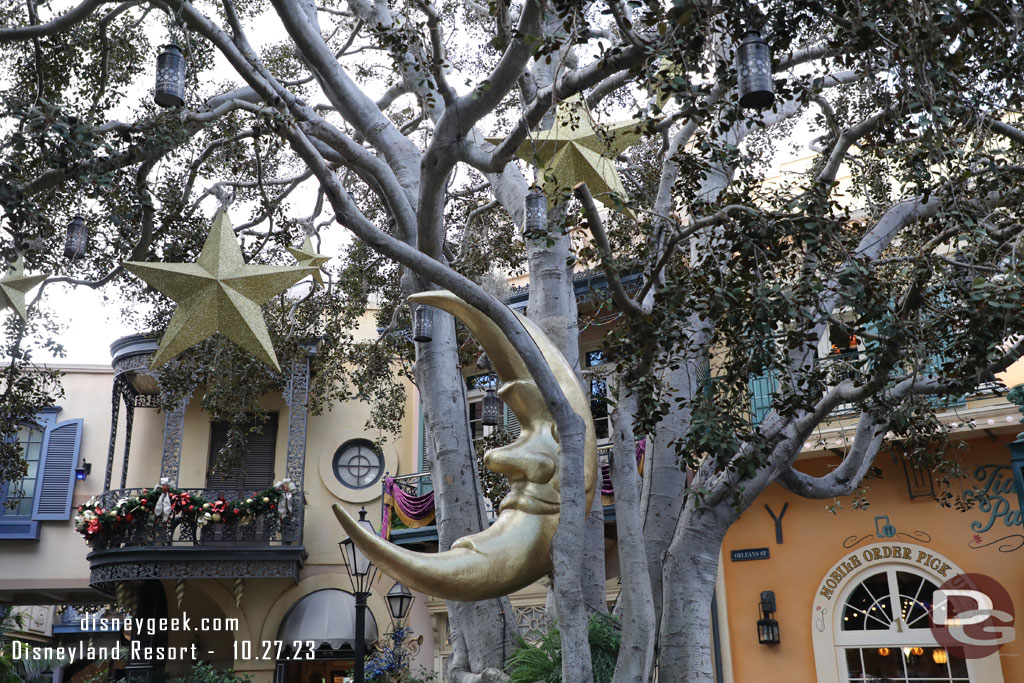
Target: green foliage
x=542, y=661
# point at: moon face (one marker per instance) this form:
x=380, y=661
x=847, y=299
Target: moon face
x=515, y=550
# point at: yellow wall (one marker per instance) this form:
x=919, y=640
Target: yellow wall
x=814, y=541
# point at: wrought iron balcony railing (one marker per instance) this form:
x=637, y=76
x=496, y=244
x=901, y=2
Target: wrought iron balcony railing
x=184, y=529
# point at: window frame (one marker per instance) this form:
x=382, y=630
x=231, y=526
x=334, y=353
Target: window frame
x=358, y=442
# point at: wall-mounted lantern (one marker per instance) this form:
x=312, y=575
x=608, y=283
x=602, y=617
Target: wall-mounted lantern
x=83, y=470
x=767, y=625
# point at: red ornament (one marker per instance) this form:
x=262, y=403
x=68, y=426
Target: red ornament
x=272, y=506
x=191, y=508
x=236, y=511
x=79, y=508
x=129, y=517
x=119, y=518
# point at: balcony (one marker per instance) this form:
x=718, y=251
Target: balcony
x=411, y=496
x=181, y=548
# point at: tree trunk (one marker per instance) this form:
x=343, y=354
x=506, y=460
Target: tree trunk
x=636, y=604
x=487, y=629
x=552, y=305
x=690, y=572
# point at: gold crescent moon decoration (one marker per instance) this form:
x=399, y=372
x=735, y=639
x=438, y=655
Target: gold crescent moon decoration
x=515, y=550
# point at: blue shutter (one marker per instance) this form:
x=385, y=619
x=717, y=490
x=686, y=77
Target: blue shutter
x=57, y=471
x=511, y=422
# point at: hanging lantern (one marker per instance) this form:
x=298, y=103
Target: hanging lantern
x=754, y=65
x=170, y=77
x=491, y=406
x=940, y=656
x=536, y=222
x=423, y=324
x=77, y=241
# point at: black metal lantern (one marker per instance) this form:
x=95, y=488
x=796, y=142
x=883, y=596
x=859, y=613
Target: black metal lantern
x=490, y=409
x=77, y=241
x=754, y=66
x=423, y=324
x=170, y=77
x=400, y=600
x=767, y=625
x=536, y=221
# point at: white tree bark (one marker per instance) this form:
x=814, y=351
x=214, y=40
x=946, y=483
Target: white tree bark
x=636, y=605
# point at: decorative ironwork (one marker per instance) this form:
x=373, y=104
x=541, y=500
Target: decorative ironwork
x=533, y=622
x=174, y=429
x=105, y=577
x=297, y=397
x=129, y=423
x=147, y=401
x=262, y=530
x=115, y=409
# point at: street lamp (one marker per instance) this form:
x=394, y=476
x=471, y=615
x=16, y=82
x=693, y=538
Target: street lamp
x=361, y=573
x=400, y=600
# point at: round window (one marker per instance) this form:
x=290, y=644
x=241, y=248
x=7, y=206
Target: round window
x=358, y=465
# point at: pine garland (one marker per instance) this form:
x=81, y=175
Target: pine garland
x=95, y=523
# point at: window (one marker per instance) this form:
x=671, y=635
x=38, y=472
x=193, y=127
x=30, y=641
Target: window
x=598, y=395
x=256, y=471
x=358, y=465
x=17, y=497
x=51, y=449
x=885, y=634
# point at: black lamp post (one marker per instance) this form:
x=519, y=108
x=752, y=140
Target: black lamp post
x=361, y=573
x=400, y=601
x=767, y=625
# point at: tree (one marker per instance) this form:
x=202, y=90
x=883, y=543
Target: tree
x=916, y=255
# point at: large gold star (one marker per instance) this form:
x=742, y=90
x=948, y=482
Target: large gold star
x=572, y=151
x=15, y=285
x=305, y=256
x=218, y=293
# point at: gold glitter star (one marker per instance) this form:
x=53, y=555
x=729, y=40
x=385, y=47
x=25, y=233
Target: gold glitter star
x=15, y=285
x=218, y=293
x=305, y=256
x=572, y=151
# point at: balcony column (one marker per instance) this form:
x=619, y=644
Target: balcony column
x=115, y=409
x=297, y=398
x=174, y=429
x=129, y=394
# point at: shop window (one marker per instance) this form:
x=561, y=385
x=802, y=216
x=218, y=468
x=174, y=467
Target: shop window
x=51, y=450
x=885, y=635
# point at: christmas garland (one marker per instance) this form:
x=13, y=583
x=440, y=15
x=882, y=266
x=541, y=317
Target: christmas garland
x=163, y=502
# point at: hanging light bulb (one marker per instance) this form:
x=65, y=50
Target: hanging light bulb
x=170, y=77
x=423, y=324
x=77, y=241
x=490, y=409
x=754, y=65
x=536, y=220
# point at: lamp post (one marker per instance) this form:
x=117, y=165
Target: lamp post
x=361, y=573
x=400, y=600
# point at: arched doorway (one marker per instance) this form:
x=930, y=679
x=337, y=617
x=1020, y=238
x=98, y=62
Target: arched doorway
x=870, y=620
x=884, y=632
x=325, y=618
